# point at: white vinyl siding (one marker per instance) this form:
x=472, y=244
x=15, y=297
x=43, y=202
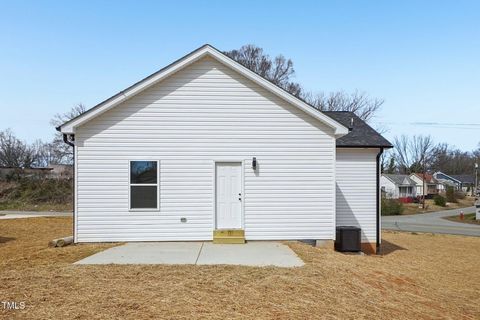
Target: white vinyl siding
x=419, y=184
x=357, y=190
x=202, y=114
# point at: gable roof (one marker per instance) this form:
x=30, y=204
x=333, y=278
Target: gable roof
x=206, y=50
x=428, y=177
x=400, y=179
x=361, y=135
x=445, y=177
x=464, y=178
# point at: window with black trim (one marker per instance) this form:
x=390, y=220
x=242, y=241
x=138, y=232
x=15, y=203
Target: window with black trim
x=143, y=184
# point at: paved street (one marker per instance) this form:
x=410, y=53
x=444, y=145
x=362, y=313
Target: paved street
x=432, y=222
x=10, y=214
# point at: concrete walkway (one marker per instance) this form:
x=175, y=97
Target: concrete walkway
x=9, y=214
x=432, y=222
x=256, y=254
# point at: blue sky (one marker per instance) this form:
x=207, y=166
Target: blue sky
x=422, y=57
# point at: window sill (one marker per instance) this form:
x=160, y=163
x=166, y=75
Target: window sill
x=144, y=210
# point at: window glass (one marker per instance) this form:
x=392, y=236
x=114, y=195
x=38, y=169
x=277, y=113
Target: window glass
x=142, y=172
x=143, y=197
x=143, y=185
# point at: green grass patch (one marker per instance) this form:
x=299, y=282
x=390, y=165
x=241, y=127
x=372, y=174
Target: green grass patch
x=467, y=218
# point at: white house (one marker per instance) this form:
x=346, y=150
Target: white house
x=429, y=183
x=205, y=145
x=398, y=186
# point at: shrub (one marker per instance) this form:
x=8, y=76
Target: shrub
x=459, y=195
x=391, y=207
x=450, y=195
x=36, y=191
x=440, y=201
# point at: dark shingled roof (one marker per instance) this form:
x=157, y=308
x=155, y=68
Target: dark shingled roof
x=361, y=135
x=464, y=178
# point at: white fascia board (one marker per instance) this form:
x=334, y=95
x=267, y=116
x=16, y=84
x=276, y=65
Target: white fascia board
x=69, y=127
x=415, y=178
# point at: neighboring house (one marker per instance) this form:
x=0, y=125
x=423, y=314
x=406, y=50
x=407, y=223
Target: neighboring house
x=205, y=145
x=431, y=184
x=462, y=182
x=447, y=181
x=467, y=182
x=398, y=186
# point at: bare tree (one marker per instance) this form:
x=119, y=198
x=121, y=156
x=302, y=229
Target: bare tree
x=387, y=162
x=413, y=154
x=14, y=152
x=402, y=153
x=280, y=71
x=454, y=161
x=60, y=151
x=476, y=153
x=422, y=147
x=357, y=102
x=45, y=153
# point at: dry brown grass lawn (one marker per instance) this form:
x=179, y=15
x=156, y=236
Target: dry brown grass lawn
x=419, y=277
x=413, y=208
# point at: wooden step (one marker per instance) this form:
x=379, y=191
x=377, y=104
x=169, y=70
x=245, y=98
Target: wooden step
x=228, y=233
x=229, y=236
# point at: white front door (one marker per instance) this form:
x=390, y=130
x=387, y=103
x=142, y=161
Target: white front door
x=229, y=195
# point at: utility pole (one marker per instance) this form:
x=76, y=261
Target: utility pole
x=477, y=194
x=475, y=190
x=424, y=183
